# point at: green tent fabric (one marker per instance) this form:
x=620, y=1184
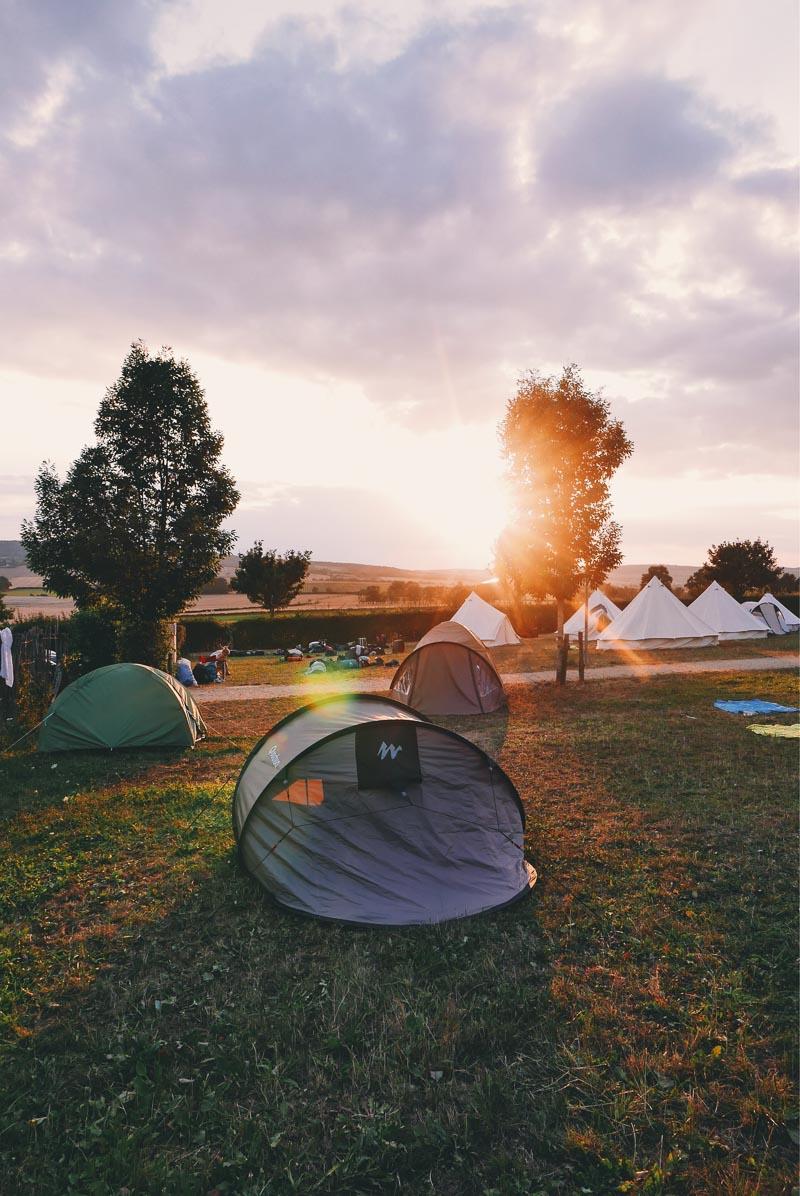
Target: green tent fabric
x=121, y=706
x=779, y=730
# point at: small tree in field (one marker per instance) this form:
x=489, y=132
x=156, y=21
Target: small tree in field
x=740, y=567
x=136, y=524
x=5, y=584
x=270, y=579
x=661, y=572
x=370, y=595
x=562, y=449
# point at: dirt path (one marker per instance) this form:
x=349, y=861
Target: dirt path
x=361, y=684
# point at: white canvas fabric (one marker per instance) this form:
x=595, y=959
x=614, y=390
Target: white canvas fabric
x=769, y=615
x=725, y=615
x=656, y=619
x=792, y=622
x=772, y=627
x=6, y=659
x=490, y=625
x=601, y=612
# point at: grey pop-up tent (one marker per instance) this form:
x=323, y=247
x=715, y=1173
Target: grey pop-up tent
x=449, y=672
x=358, y=809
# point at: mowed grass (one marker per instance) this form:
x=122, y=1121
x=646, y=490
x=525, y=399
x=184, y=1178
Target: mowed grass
x=630, y=1028
x=532, y=655
x=271, y=670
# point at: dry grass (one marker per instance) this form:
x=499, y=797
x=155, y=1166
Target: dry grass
x=629, y=1029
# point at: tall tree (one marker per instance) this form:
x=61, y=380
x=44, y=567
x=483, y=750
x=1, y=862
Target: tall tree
x=740, y=567
x=268, y=578
x=562, y=448
x=136, y=524
x=661, y=572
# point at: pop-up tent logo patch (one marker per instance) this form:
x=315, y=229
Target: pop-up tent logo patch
x=387, y=756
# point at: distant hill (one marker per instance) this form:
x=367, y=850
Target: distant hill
x=11, y=553
x=12, y=562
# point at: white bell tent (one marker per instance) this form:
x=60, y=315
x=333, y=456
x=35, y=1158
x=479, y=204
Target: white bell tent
x=656, y=619
x=726, y=616
x=602, y=611
x=776, y=617
x=485, y=622
x=790, y=620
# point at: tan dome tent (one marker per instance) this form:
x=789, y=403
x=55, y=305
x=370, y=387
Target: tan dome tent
x=121, y=706
x=360, y=810
x=449, y=672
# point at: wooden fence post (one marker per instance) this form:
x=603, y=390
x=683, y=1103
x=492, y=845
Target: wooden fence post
x=561, y=660
x=581, y=656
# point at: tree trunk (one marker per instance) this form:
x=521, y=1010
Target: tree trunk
x=560, y=609
x=586, y=613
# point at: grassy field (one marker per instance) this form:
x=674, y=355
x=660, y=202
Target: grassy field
x=630, y=1028
x=530, y=656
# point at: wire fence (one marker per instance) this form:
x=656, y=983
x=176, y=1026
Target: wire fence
x=37, y=656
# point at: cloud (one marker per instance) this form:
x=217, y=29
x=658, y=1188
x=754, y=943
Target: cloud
x=489, y=192
x=634, y=141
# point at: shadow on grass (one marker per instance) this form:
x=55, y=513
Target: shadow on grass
x=226, y=1044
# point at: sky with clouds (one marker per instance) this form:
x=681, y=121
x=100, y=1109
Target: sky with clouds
x=361, y=225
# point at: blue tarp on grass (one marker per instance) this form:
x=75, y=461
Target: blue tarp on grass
x=755, y=706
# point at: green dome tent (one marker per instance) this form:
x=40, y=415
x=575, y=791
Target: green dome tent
x=358, y=809
x=121, y=706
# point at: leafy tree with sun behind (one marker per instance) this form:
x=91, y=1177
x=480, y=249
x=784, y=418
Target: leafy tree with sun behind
x=562, y=448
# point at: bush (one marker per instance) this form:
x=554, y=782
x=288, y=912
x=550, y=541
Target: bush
x=92, y=641
x=146, y=643
x=203, y=635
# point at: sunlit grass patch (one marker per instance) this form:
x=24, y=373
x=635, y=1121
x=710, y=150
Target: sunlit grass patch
x=630, y=1028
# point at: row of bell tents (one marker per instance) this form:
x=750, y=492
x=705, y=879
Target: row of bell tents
x=655, y=619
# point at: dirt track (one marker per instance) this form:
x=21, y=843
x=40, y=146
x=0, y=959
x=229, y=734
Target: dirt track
x=362, y=684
